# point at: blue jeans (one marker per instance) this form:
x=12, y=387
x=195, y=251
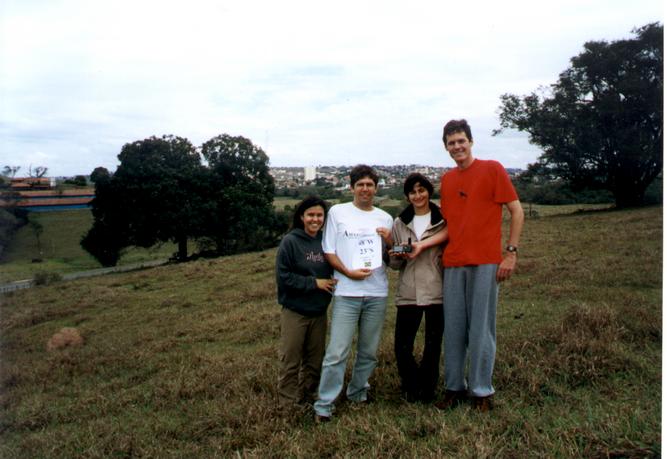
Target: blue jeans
x=365, y=314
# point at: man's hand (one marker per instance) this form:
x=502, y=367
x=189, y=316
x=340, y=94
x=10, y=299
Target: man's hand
x=354, y=274
x=358, y=274
x=506, y=267
x=327, y=285
x=386, y=234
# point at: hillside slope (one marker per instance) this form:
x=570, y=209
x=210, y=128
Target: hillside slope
x=61, y=251
x=182, y=361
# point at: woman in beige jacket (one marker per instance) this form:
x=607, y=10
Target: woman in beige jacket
x=419, y=291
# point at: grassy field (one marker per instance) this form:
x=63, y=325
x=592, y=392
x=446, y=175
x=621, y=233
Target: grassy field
x=182, y=361
x=61, y=251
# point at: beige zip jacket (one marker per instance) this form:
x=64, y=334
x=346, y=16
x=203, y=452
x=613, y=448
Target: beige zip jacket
x=420, y=279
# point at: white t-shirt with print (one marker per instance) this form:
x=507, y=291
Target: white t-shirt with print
x=345, y=227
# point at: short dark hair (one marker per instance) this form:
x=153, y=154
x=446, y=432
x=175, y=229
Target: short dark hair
x=454, y=126
x=362, y=170
x=303, y=206
x=414, y=178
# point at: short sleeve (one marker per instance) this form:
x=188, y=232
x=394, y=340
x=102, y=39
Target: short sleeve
x=504, y=191
x=329, y=233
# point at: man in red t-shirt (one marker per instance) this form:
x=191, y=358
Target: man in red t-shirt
x=472, y=196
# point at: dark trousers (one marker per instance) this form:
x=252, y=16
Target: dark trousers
x=418, y=381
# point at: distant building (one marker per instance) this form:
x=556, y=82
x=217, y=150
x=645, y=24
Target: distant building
x=39, y=194
x=309, y=173
x=52, y=200
x=32, y=183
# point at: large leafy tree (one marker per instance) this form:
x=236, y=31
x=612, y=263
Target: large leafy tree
x=240, y=209
x=162, y=192
x=154, y=196
x=601, y=125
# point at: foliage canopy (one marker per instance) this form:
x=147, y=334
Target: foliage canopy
x=601, y=125
x=162, y=192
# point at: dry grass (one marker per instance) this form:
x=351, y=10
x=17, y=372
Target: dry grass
x=181, y=361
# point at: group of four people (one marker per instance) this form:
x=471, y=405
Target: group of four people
x=449, y=274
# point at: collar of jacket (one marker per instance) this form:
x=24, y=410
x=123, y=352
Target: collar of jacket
x=409, y=213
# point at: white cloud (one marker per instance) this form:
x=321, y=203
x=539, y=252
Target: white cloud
x=312, y=83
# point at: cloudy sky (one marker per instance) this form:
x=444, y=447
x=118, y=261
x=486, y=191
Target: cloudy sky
x=312, y=83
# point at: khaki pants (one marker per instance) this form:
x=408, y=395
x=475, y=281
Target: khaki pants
x=302, y=343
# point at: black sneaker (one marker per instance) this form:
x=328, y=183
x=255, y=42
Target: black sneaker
x=452, y=399
x=482, y=404
x=319, y=419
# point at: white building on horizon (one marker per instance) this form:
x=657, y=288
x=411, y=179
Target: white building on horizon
x=309, y=173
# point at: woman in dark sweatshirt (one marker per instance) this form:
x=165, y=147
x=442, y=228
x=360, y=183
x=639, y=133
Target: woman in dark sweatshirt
x=304, y=290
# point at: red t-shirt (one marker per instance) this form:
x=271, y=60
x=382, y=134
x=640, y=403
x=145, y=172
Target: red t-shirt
x=471, y=202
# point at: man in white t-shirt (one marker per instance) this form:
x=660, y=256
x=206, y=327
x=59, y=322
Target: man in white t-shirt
x=355, y=237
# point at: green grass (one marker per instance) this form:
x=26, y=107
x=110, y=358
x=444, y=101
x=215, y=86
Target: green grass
x=182, y=361
x=61, y=249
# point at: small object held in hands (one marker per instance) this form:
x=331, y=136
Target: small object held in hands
x=403, y=248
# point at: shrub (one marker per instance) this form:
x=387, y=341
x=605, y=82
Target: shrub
x=46, y=278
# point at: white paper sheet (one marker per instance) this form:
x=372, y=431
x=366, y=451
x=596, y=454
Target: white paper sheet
x=368, y=250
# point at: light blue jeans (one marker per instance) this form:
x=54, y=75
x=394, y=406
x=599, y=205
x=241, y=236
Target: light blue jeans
x=349, y=315
x=470, y=301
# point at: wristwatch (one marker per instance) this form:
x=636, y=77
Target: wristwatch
x=511, y=249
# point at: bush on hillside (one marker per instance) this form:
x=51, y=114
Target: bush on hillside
x=557, y=193
x=46, y=278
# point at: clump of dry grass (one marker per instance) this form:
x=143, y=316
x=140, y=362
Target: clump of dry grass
x=585, y=346
x=67, y=336
x=588, y=345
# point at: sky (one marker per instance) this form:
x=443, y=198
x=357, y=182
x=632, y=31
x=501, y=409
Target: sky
x=311, y=83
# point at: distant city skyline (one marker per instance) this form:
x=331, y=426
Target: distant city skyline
x=302, y=169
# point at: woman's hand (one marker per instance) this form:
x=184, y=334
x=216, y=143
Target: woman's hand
x=327, y=285
x=417, y=248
